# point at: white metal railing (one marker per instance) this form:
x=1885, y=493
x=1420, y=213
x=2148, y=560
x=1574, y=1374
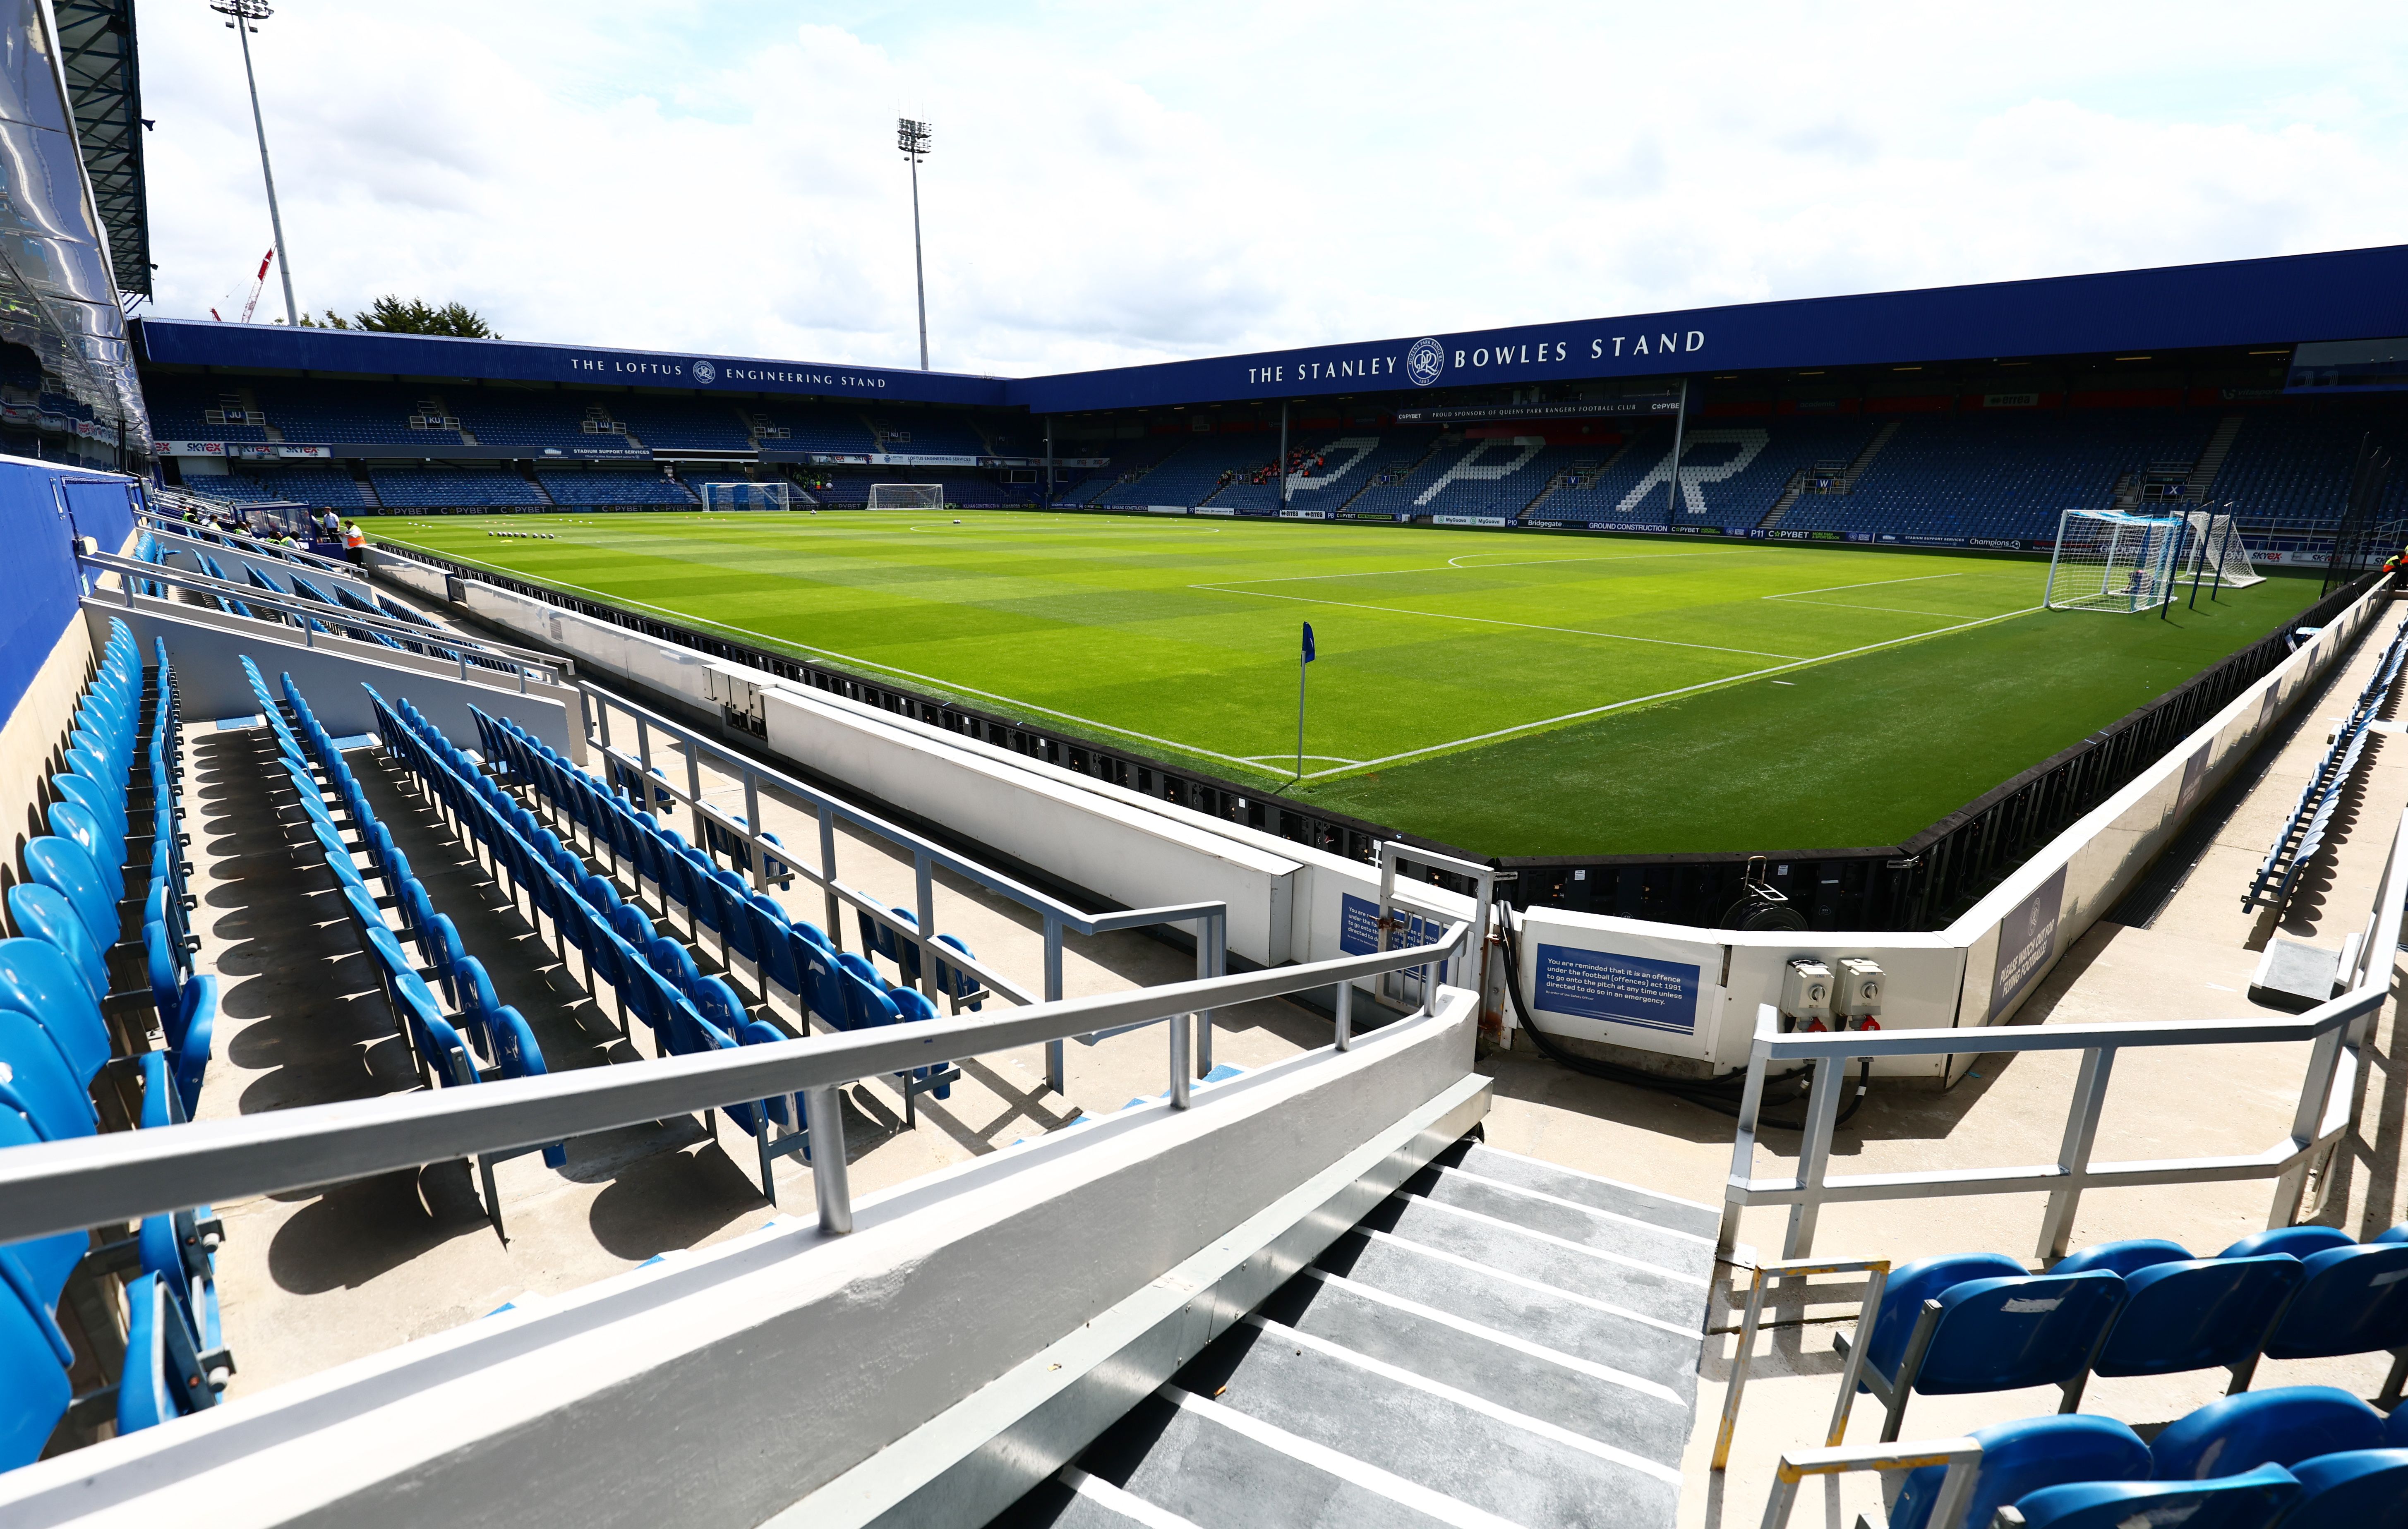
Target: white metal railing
x=63, y=1186
x=1059, y=919
x=525, y=662
x=242, y=541
x=2334, y=1031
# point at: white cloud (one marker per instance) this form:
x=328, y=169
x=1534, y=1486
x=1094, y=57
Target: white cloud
x=1114, y=184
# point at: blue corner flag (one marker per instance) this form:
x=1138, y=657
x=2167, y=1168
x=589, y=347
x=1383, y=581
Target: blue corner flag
x=1308, y=642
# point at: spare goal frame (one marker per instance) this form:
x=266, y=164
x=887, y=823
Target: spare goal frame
x=906, y=496
x=739, y=493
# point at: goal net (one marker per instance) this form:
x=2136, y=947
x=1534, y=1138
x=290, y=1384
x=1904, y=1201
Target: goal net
x=2106, y=560
x=906, y=497
x=745, y=494
x=2214, y=553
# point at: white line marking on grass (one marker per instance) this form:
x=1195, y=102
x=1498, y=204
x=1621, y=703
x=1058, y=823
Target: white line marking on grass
x=1382, y=573
x=1491, y=620
x=872, y=664
x=1340, y=758
x=1850, y=605
x=1684, y=690
x=1869, y=583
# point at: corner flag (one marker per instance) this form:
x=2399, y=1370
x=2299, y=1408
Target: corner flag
x=1304, y=659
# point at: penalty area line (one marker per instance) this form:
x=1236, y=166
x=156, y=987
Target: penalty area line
x=1684, y=690
x=872, y=664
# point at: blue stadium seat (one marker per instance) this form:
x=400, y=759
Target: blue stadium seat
x=2022, y=1457
x=1963, y=1323
x=2282, y=1426
x=2255, y=1500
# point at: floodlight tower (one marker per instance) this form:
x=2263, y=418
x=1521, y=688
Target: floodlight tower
x=245, y=16
x=912, y=138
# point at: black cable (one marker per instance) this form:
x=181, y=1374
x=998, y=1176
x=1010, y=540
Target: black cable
x=1716, y=1094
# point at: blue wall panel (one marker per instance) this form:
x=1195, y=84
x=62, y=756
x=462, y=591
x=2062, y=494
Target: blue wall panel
x=42, y=588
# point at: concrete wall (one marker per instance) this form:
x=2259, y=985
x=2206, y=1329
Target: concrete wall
x=725, y=1387
x=30, y=739
x=208, y=646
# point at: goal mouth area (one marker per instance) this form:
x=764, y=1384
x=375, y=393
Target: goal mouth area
x=2107, y=560
x=906, y=496
x=740, y=494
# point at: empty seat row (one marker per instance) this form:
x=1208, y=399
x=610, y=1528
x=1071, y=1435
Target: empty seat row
x=80, y=1054
x=2298, y=1457
x=2302, y=833
x=1968, y=1323
x=463, y=1038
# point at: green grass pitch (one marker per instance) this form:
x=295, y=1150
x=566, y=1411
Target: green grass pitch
x=1510, y=693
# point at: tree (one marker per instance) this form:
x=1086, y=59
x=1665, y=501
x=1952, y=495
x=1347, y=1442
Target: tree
x=390, y=315
x=332, y=321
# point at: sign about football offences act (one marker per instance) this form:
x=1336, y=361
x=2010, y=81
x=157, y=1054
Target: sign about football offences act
x=1619, y=988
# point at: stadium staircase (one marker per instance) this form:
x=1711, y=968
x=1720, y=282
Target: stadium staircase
x=1847, y=481
x=1502, y=1342
x=2211, y=460
x=1439, y=441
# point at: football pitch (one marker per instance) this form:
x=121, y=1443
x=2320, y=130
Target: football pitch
x=1517, y=694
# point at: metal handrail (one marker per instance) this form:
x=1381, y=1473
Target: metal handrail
x=254, y=547
x=1961, y=1455
x=63, y=1186
x=554, y=670
x=927, y=857
x=2328, y=1098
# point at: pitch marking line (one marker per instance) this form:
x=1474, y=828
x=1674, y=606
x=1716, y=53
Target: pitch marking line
x=1684, y=690
x=1869, y=583
x=608, y=599
x=1491, y=620
x=1850, y=605
x=1383, y=573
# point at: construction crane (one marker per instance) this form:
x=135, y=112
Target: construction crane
x=258, y=285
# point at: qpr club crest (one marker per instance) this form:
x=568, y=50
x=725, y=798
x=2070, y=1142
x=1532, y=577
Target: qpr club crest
x=1425, y=362
x=705, y=372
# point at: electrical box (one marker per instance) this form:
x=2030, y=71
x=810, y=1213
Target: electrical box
x=1858, y=990
x=1806, y=990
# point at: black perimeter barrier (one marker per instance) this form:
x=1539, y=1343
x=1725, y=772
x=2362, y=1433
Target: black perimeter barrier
x=1919, y=885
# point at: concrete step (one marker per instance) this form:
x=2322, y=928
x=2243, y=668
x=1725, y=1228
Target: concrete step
x=1217, y=1468
x=1536, y=1210
x=1565, y=1264
x=1583, y=1327
x=1523, y=1469
x=1687, y=1216
x=1455, y=1347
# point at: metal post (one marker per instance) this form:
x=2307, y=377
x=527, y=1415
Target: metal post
x=1282, y=462
x=1672, y=488
x=244, y=12
x=1181, y=1082
x=694, y=792
x=2074, y=1153
x=1346, y=1016
x=1056, y=1065
x=759, y=857
x=2230, y=534
x=1815, y=1153
x=827, y=876
x=2197, y=568
x=912, y=138
x=924, y=875
x=823, y=1114
x=1213, y=939
x=1049, y=462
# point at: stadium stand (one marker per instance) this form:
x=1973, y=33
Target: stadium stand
x=667, y=423
x=2289, y=470
x=602, y=487
x=801, y=427
x=324, y=412
x=458, y=488
x=1193, y=472
x=197, y=409
x=323, y=488
x=2302, y=833
x=926, y=433
x=560, y=421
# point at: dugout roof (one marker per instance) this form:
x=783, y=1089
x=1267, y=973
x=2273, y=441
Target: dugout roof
x=2286, y=300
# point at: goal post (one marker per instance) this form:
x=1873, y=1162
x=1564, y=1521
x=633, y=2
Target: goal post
x=906, y=497
x=744, y=495
x=2106, y=560
x=2214, y=553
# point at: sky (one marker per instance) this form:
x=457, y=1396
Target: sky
x=1118, y=183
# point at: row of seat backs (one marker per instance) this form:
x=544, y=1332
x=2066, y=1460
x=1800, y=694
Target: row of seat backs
x=2340, y=1463
x=503, y=1035
x=2145, y=1306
